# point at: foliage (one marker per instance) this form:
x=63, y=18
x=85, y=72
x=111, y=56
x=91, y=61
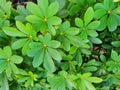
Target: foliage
x=60, y=45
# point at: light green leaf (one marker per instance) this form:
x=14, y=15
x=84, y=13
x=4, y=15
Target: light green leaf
x=65, y=43
x=5, y=85
x=73, y=49
x=45, y=39
x=53, y=8
x=7, y=51
x=35, y=48
x=26, y=48
x=72, y=31
x=92, y=33
x=93, y=25
x=99, y=13
x=43, y=4
x=3, y=65
x=103, y=23
x=114, y=55
x=95, y=40
x=19, y=43
x=112, y=26
x=34, y=9
x=89, y=14
x=48, y=63
x=79, y=58
x=75, y=40
x=54, y=20
x=38, y=59
x=33, y=19
x=54, y=54
x=52, y=30
x=80, y=85
x=95, y=79
x=99, y=6
x=89, y=85
x=16, y=59
x=13, y=32
x=79, y=22
x=108, y=4
x=21, y=27
x=8, y=70
x=14, y=68
x=57, y=83
x=53, y=44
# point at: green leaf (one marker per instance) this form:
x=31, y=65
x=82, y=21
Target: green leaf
x=75, y=40
x=48, y=63
x=35, y=48
x=53, y=44
x=54, y=20
x=14, y=68
x=99, y=6
x=102, y=58
x=80, y=85
x=79, y=58
x=90, y=68
x=95, y=40
x=53, y=8
x=92, y=33
x=64, y=42
x=38, y=59
x=89, y=85
x=72, y=31
x=33, y=19
x=7, y=51
x=93, y=25
x=54, y=54
x=45, y=39
x=3, y=65
x=95, y=79
x=13, y=32
x=43, y=4
x=26, y=48
x=112, y=26
x=103, y=23
x=34, y=9
x=21, y=27
x=73, y=49
x=117, y=10
x=57, y=83
x=19, y=43
x=114, y=55
x=108, y=4
x=89, y=14
x=79, y=22
x=5, y=85
x=100, y=13
x=16, y=59
x=116, y=43
x=52, y=30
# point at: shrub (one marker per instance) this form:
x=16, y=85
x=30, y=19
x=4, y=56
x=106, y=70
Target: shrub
x=60, y=45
